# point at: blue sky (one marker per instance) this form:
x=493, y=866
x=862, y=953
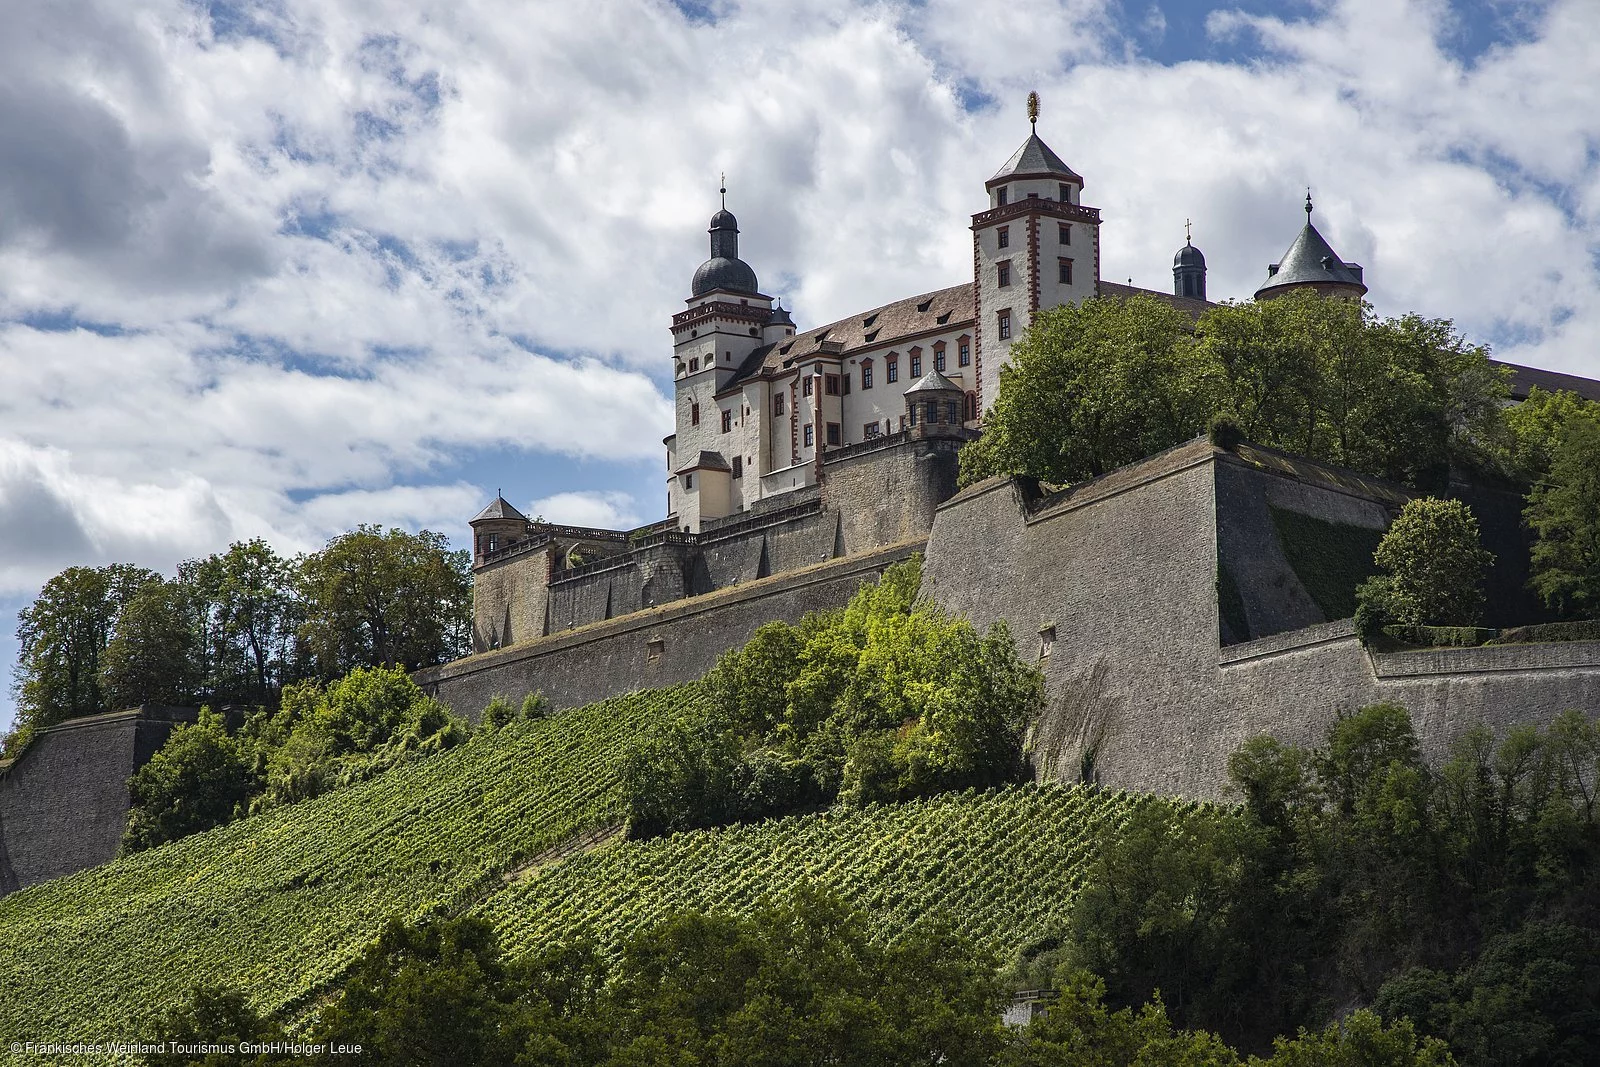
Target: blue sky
x=273, y=269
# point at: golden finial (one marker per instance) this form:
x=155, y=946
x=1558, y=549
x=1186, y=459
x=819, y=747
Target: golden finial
x=1033, y=109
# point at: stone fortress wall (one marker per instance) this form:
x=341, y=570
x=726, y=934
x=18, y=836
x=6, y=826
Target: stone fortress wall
x=64, y=800
x=1119, y=588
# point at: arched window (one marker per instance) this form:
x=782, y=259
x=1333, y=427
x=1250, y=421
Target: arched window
x=971, y=406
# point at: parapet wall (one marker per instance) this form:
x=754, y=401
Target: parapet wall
x=676, y=642
x=64, y=801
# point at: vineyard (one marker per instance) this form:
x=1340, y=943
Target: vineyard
x=1003, y=864
x=279, y=903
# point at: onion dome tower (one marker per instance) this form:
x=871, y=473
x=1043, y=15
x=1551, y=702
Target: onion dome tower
x=1311, y=263
x=724, y=271
x=1189, y=269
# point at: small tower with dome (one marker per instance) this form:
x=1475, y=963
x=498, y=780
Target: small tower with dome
x=1189, y=269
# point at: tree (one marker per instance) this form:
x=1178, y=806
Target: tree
x=376, y=598
x=250, y=611
x=1090, y=387
x=63, y=635
x=1564, y=510
x=1434, y=564
x=197, y=780
x=215, y=1016
x=1109, y=382
x=1534, y=429
x=153, y=656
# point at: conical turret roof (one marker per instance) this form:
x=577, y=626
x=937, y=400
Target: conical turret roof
x=934, y=382
x=1311, y=261
x=500, y=508
x=1034, y=159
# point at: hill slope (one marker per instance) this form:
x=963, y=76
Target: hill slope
x=279, y=903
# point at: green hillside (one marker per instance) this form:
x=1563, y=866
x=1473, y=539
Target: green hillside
x=278, y=904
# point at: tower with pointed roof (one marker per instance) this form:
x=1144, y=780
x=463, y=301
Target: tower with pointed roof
x=1036, y=246
x=495, y=527
x=1311, y=263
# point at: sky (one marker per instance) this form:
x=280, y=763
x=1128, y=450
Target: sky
x=272, y=269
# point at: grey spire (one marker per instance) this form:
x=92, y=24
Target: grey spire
x=1311, y=262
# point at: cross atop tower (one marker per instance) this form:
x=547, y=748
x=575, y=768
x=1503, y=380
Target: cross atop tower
x=1188, y=237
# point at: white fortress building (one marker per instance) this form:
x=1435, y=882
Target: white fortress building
x=760, y=401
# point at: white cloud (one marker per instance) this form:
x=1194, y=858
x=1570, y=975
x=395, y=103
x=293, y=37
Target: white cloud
x=339, y=252
x=605, y=510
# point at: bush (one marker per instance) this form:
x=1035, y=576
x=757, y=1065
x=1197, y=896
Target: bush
x=1584, y=630
x=197, y=780
x=1225, y=432
x=497, y=713
x=1440, y=636
x=535, y=706
x=1434, y=565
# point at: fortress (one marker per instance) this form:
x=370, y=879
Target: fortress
x=1176, y=606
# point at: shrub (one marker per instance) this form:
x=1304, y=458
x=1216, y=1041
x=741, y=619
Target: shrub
x=1434, y=564
x=198, y=779
x=497, y=713
x=1225, y=432
x=535, y=706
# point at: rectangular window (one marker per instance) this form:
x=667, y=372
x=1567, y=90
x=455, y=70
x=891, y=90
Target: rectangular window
x=694, y=414
x=1066, y=193
x=1066, y=271
x=808, y=435
x=964, y=355
x=1005, y=273
x=1005, y=236
x=830, y=384
x=871, y=430
x=912, y=411
x=933, y=412
x=1000, y=196
x=916, y=364
x=777, y=404
x=806, y=386
x=727, y=421
x=894, y=369
x=1004, y=323
x=938, y=360
x=845, y=381
x=738, y=466
x=866, y=376
x=950, y=411
x=688, y=480
x=1066, y=232
x=694, y=364
x=833, y=433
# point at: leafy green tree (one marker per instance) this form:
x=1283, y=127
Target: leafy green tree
x=212, y=1016
x=197, y=780
x=375, y=598
x=1091, y=387
x=154, y=653
x=1360, y=1040
x=1078, y=1029
x=63, y=635
x=1108, y=382
x=1564, y=510
x=436, y=994
x=1534, y=430
x=250, y=614
x=1434, y=566
x=800, y=983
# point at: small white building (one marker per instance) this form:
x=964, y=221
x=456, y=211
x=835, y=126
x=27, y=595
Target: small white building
x=759, y=400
